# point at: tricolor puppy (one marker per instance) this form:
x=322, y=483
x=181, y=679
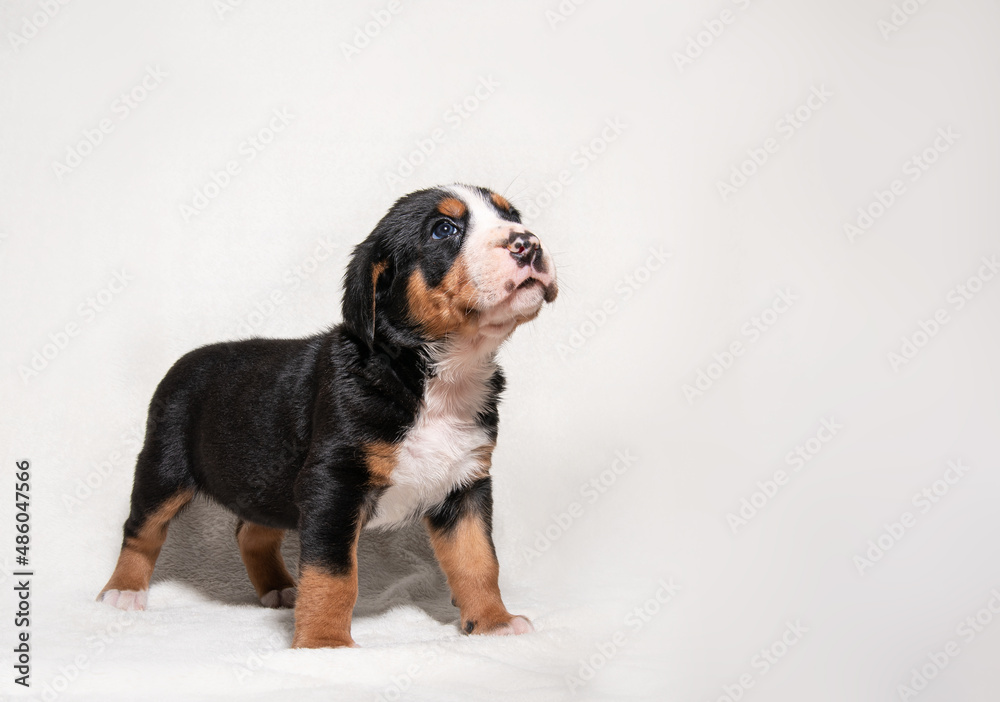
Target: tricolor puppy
x=389, y=417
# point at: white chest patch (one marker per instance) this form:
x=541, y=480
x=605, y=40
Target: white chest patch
x=443, y=449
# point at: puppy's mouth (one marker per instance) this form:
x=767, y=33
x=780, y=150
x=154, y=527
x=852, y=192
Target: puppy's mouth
x=549, y=291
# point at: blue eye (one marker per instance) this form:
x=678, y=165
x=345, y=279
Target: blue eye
x=444, y=229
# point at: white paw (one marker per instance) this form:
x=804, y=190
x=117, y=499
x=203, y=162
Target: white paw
x=128, y=600
x=515, y=627
x=278, y=600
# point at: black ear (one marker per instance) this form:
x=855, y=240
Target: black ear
x=361, y=283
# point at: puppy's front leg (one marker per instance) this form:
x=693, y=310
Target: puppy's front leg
x=461, y=534
x=330, y=524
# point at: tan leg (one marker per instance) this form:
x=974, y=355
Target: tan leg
x=465, y=552
x=324, y=607
x=260, y=549
x=128, y=584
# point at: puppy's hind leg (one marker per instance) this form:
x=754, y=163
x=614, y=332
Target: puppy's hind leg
x=157, y=497
x=260, y=549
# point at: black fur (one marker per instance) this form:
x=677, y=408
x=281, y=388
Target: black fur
x=275, y=430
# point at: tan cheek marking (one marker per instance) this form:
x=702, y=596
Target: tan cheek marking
x=445, y=309
x=469, y=563
x=452, y=207
x=138, y=555
x=500, y=201
x=260, y=549
x=323, y=608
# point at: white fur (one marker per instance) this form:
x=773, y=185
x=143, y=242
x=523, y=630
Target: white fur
x=490, y=264
x=437, y=454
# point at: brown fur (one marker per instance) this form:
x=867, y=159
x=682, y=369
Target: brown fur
x=500, y=201
x=452, y=207
x=260, y=549
x=324, y=607
x=445, y=309
x=139, y=553
x=381, y=459
x=484, y=457
x=468, y=560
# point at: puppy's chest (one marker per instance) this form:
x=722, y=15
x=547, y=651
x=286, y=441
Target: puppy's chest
x=442, y=451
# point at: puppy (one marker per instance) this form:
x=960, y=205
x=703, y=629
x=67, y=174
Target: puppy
x=389, y=417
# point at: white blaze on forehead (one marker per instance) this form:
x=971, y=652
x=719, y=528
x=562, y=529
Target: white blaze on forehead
x=483, y=216
x=486, y=232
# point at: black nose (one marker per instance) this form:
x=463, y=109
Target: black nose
x=525, y=248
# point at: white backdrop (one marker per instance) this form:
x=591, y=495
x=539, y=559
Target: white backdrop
x=750, y=453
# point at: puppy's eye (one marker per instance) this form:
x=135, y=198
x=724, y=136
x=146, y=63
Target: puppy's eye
x=444, y=229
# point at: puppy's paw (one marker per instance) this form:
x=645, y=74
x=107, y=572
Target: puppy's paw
x=127, y=600
x=514, y=627
x=283, y=599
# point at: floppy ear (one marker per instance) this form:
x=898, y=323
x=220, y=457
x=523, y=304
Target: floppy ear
x=361, y=284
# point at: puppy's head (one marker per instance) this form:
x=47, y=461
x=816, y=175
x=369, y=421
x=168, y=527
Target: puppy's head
x=447, y=261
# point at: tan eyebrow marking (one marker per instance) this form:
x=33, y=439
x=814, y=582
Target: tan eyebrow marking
x=452, y=207
x=500, y=201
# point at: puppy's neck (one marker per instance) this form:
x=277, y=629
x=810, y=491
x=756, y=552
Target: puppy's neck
x=463, y=357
